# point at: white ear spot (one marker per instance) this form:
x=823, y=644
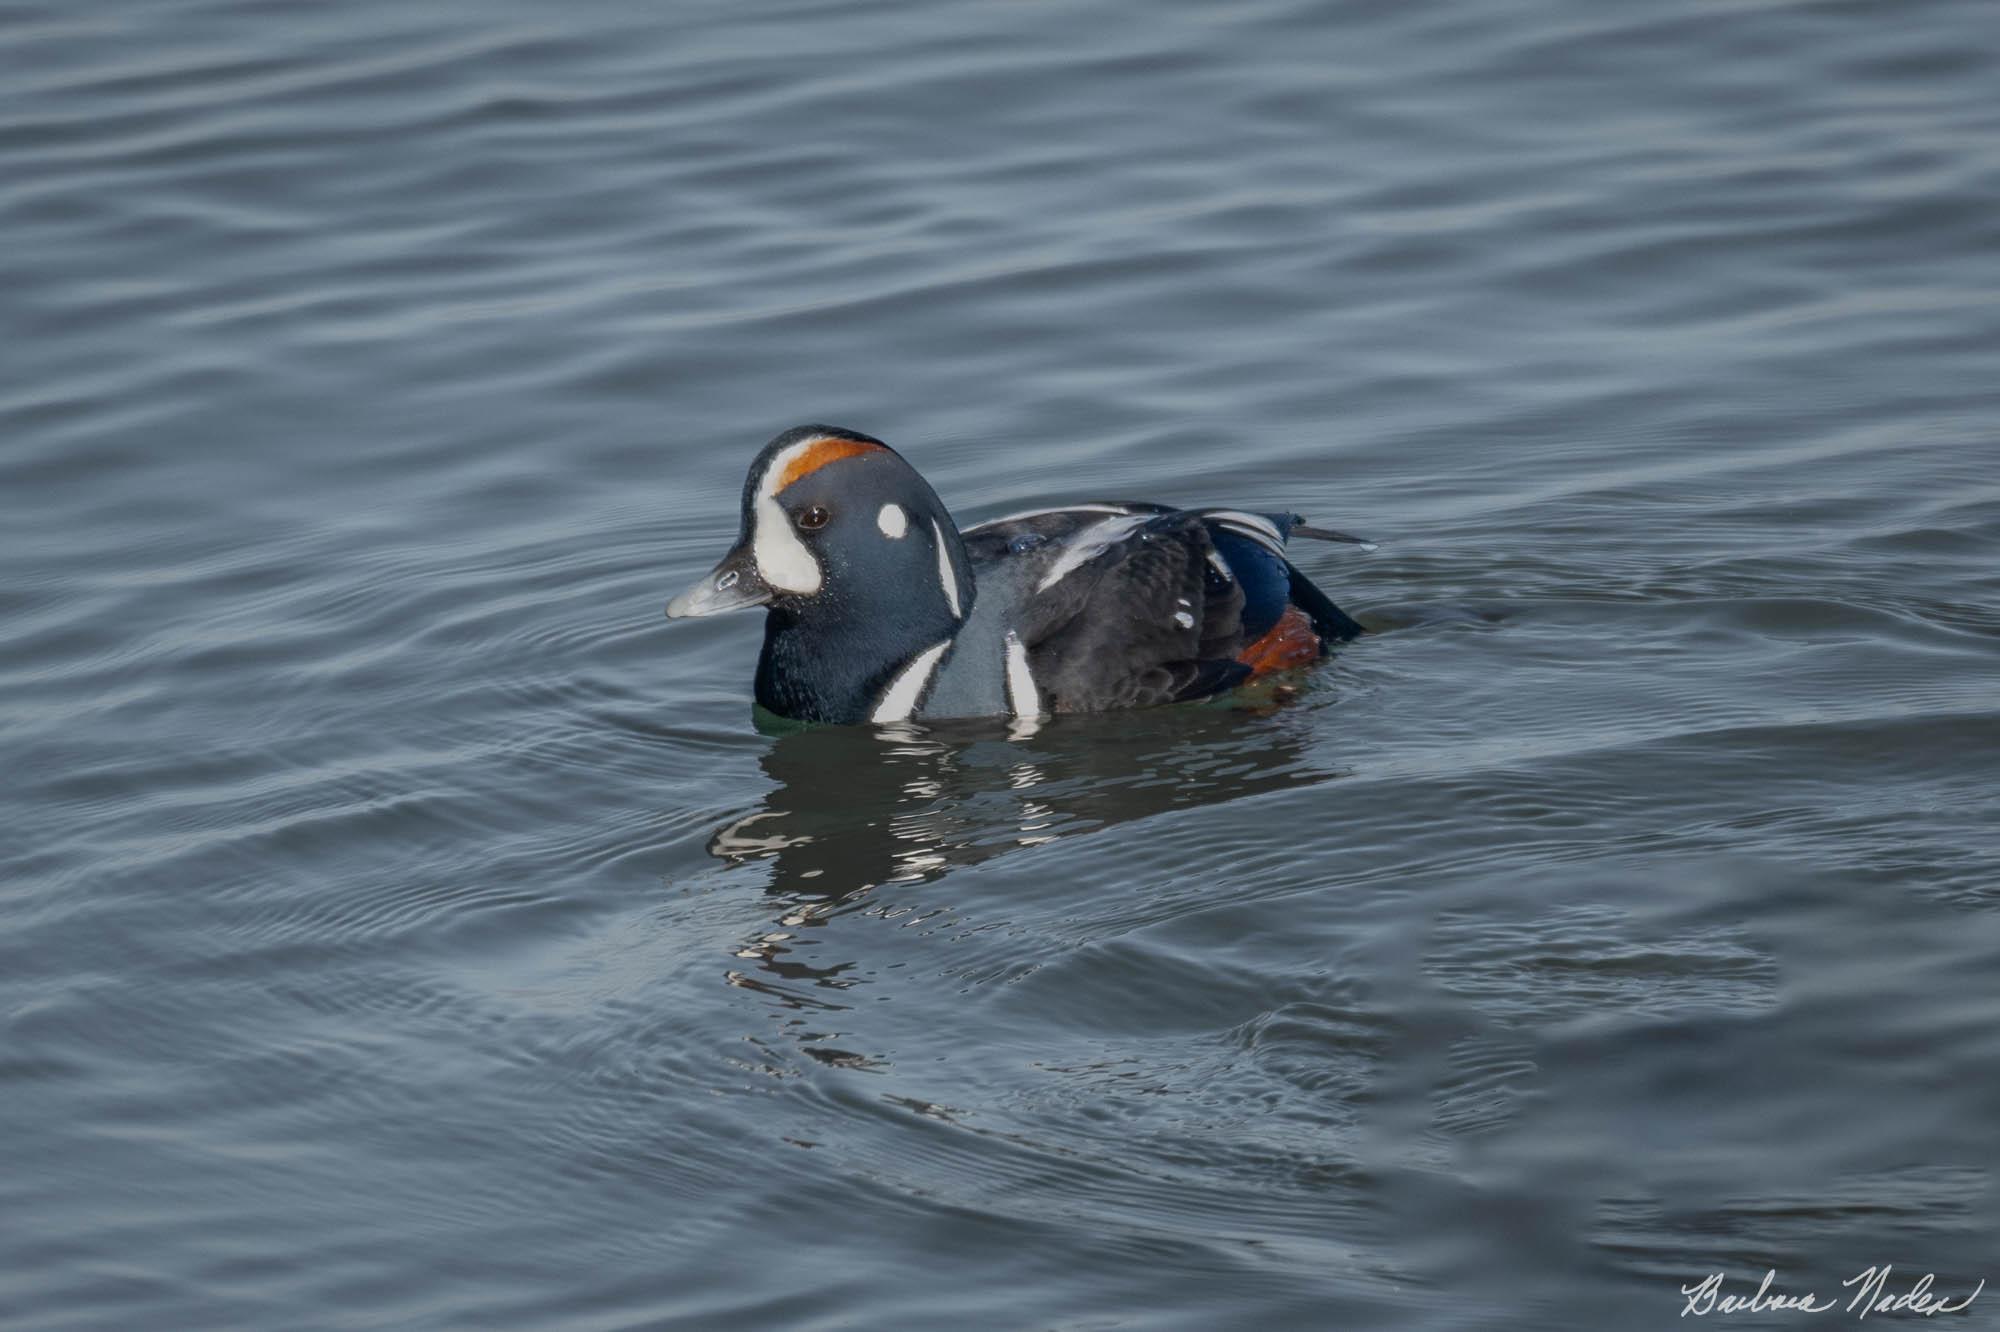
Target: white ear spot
x=893, y=521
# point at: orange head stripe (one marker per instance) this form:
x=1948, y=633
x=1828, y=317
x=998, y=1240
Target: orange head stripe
x=818, y=455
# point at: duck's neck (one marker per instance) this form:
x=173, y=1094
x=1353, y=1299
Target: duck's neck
x=836, y=668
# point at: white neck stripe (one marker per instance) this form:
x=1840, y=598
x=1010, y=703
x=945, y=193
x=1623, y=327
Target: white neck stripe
x=947, y=571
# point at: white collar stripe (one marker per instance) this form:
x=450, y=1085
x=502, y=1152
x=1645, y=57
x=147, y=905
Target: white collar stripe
x=900, y=699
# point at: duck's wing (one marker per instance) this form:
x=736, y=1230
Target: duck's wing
x=1122, y=609
x=1251, y=547
x=1038, y=532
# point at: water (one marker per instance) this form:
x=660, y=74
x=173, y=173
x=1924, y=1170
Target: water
x=405, y=927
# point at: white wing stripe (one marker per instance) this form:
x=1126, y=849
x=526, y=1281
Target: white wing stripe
x=1043, y=513
x=1090, y=543
x=1254, y=526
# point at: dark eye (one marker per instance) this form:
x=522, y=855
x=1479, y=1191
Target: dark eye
x=814, y=518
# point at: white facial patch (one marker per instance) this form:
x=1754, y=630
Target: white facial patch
x=899, y=700
x=782, y=559
x=893, y=521
x=947, y=572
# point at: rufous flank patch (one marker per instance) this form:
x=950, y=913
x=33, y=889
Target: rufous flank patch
x=1291, y=642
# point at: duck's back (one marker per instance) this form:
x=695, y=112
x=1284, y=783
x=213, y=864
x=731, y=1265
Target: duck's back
x=1104, y=606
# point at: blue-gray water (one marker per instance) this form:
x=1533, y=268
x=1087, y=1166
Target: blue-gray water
x=405, y=927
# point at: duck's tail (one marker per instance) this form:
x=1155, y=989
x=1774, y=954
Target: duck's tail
x=1330, y=622
x=1254, y=546
x=1300, y=527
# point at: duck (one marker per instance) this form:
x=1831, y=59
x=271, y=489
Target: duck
x=880, y=609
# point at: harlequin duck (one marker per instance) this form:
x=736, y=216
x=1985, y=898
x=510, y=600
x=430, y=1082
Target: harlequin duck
x=882, y=610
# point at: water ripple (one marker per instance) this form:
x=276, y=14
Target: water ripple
x=404, y=919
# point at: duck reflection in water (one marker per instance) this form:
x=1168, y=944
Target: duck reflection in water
x=852, y=809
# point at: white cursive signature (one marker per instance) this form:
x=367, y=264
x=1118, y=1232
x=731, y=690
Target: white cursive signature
x=1871, y=1295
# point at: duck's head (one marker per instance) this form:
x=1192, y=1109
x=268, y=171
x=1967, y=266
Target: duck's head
x=843, y=540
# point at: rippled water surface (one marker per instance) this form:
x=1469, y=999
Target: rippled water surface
x=405, y=927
